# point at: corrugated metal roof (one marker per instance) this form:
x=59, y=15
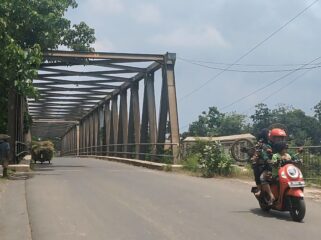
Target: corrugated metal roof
x=220, y=138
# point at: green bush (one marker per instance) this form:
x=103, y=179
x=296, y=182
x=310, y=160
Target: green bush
x=214, y=161
x=191, y=163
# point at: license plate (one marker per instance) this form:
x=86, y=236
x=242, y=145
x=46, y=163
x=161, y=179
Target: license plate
x=295, y=184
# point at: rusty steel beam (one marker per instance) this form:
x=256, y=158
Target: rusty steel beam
x=114, y=122
x=107, y=119
x=163, y=114
x=123, y=123
x=172, y=104
x=102, y=55
x=151, y=106
x=134, y=121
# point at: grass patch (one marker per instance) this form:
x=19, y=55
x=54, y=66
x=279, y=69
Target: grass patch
x=244, y=172
x=191, y=163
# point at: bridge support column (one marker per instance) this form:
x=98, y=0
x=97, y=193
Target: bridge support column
x=107, y=119
x=134, y=122
x=114, y=125
x=149, y=124
x=169, y=88
x=123, y=124
x=96, y=129
x=77, y=140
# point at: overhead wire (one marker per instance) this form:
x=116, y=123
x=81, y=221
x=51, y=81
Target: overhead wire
x=249, y=51
x=265, y=86
x=281, y=88
x=250, y=71
x=245, y=64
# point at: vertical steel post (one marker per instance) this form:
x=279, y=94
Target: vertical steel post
x=114, y=123
x=163, y=114
x=149, y=124
x=96, y=124
x=107, y=126
x=123, y=123
x=77, y=139
x=87, y=135
x=134, y=121
x=172, y=104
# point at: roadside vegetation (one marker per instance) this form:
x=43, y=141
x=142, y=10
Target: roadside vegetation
x=27, y=29
x=208, y=159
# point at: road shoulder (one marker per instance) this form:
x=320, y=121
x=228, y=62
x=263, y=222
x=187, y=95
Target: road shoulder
x=14, y=220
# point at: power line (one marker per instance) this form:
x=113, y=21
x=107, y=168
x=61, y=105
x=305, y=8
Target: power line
x=250, y=51
x=281, y=88
x=266, y=86
x=250, y=71
x=245, y=64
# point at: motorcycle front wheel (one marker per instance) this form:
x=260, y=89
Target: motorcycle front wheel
x=297, y=210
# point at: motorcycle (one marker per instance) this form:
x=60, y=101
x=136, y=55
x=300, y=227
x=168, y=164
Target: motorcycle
x=288, y=189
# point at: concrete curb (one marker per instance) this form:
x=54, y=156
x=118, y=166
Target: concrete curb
x=135, y=162
x=19, y=167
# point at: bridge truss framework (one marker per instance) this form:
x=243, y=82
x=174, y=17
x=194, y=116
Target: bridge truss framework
x=97, y=112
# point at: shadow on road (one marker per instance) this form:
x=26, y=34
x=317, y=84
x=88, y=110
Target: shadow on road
x=51, y=167
x=285, y=216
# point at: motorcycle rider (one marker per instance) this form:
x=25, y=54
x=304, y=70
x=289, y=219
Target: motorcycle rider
x=263, y=152
x=282, y=154
x=277, y=136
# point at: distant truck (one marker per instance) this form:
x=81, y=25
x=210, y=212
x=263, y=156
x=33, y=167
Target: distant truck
x=42, y=151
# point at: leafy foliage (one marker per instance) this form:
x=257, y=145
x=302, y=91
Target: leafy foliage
x=214, y=161
x=27, y=28
x=317, y=111
x=302, y=129
x=214, y=123
x=191, y=163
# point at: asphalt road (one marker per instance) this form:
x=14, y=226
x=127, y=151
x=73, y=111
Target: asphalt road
x=94, y=199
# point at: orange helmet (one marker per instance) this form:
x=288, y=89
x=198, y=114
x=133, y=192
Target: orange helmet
x=277, y=132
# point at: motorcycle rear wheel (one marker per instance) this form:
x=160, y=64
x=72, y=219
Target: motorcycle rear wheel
x=297, y=210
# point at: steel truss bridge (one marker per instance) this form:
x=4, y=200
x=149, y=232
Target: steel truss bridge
x=90, y=102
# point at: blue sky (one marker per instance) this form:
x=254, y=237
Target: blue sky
x=217, y=31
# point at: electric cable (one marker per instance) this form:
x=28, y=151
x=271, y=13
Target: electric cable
x=250, y=51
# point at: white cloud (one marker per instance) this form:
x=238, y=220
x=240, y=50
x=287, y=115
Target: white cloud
x=147, y=13
x=206, y=36
x=106, y=6
x=104, y=46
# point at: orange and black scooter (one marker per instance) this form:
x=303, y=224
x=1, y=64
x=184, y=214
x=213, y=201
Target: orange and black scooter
x=288, y=189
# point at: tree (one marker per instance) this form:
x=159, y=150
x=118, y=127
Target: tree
x=233, y=123
x=199, y=128
x=302, y=129
x=215, y=123
x=262, y=118
x=28, y=28
x=317, y=111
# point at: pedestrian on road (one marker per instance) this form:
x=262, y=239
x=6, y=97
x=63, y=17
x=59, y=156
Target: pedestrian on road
x=4, y=153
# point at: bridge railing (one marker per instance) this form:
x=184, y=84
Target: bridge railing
x=156, y=152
